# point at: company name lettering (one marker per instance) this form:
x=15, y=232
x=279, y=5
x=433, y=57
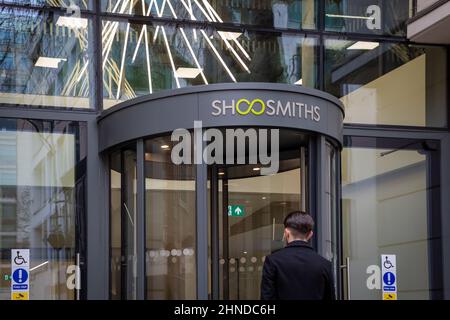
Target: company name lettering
x=258, y=107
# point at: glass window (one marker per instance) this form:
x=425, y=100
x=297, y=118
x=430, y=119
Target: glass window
x=116, y=225
x=170, y=224
x=367, y=16
x=42, y=192
x=129, y=227
x=140, y=60
x=248, y=238
x=388, y=83
x=295, y=14
x=390, y=199
x=44, y=59
x=327, y=229
x=124, y=237
x=72, y=5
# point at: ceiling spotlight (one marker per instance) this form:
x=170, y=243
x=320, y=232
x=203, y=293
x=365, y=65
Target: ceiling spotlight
x=230, y=35
x=221, y=173
x=47, y=62
x=165, y=147
x=363, y=45
x=188, y=73
x=330, y=15
x=72, y=22
x=256, y=169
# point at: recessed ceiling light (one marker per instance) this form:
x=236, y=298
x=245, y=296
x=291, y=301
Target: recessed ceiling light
x=363, y=45
x=299, y=82
x=256, y=169
x=348, y=16
x=221, y=173
x=165, y=147
x=72, y=22
x=228, y=35
x=47, y=62
x=188, y=73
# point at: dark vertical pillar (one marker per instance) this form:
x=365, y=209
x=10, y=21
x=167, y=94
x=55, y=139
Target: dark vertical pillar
x=226, y=256
x=140, y=220
x=215, y=232
x=445, y=209
x=97, y=219
x=202, y=230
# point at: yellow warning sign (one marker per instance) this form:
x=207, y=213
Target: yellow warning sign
x=19, y=296
x=389, y=296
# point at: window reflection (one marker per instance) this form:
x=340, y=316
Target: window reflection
x=170, y=224
x=41, y=204
x=367, y=16
x=387, y=83
x=296, y=14
x=123, y=211
x=392, y=190
x=328, y=232
x=116, y=225
x=143, y=59
x=44, y=59
x=266, y=201
x=73, y=4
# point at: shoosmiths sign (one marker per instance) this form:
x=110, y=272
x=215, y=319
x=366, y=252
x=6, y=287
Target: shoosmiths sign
x=269, y=107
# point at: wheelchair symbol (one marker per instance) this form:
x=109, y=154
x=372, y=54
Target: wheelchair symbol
x=19, y=260
x=387, y=264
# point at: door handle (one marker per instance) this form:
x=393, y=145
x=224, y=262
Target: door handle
x=346, y=266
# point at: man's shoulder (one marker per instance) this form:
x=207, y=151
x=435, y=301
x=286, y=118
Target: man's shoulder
x=282, y=253
x=274, y=253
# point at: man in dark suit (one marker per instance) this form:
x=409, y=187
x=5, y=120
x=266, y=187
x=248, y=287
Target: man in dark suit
x=297, y=272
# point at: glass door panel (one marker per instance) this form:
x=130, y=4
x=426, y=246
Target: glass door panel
x=387, y=209
x=252, y=208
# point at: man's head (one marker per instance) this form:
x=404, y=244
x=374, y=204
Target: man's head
x=298, y=225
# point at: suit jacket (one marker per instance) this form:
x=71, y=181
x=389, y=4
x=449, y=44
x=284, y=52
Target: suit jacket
x=297, y=272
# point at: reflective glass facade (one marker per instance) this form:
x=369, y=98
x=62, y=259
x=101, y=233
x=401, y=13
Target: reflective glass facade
x=391, y=84
x=367, y=16
x=296, y=14
x=44, y=62
x=64, y=63
x=55, y=58
x=140, y=59
x=42, y=202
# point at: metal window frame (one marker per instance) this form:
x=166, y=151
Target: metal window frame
x=443, y=138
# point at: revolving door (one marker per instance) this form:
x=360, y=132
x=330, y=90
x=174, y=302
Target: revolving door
x=185, y=227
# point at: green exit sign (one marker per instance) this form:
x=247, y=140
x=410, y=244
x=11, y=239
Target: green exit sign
x=236, y=211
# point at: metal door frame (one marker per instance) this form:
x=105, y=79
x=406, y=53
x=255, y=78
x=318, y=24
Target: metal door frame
x=314, y=197
x=443, y=205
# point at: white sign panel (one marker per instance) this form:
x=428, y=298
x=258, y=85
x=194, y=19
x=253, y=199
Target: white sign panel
x=20, y=274
x=389, y=276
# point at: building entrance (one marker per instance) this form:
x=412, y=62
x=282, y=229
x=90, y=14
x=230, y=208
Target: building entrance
x=186, y=227
x=247, y=210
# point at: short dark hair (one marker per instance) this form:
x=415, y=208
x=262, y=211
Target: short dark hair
x=299, y=222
